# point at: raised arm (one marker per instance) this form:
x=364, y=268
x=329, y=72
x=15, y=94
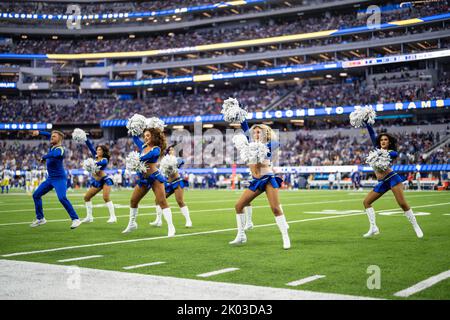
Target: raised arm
x=45, y=134
x=372, y=134
x=154, y=153
x=57, y=152
x=138, y=142
x=91, y=148
x=246, y=128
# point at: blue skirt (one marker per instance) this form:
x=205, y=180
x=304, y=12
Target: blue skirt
x=262, y=182
x=148, y=182
x=100, y=183
x=391, y=180
x=171, y=186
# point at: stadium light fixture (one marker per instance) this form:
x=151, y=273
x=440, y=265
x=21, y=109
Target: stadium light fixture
x=262, y=82
x=211, y=85
x=178, y=127
x=132, y=36
x=343, y=74
x=100, y=38
x=296, y=79
x=188, y=88
x=55, y=37
x=24, y=36
x=270, y=80
x=328, y=76
x=149, y=89
x=208, y=126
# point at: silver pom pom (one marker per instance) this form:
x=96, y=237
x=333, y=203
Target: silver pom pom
x=362, y=115
x=254, y=152
x=232, y=112
x=90, y=166
x=154, y=122
x=133, y=162
x=240, y=141
x=136, y=124
x=169, y=165
x=79, y=135
x=379, y=159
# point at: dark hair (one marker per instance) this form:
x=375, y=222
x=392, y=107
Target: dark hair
x=158, y=139
x=392, y=141
x=105, y=151
x=169, y=147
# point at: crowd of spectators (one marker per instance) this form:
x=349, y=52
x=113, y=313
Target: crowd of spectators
x=182, y=103
x=267, y=28
x=312, y=148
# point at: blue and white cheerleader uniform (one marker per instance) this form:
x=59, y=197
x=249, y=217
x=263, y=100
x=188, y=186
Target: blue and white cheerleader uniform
x=178, y=182
x=150, y=157
x=261, y=183
x=393, y=178
x=103, y=163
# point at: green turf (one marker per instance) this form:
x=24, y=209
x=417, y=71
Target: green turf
x=333, y=247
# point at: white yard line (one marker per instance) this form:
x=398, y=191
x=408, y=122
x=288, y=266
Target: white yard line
x=143, y=265
x=262, y=199
x=55, y=283
x=80, y=258
x=189, y=234
x=162, y=237
x=423, y=284
x=305, y=280
x=213, y=273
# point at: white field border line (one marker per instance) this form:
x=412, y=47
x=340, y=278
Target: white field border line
x=80, y=258
x=305, y=280
x=191, y=234
x=31, y=210
x=143, y=265
x=423, y=284
x=446, y=214
x=213, y=273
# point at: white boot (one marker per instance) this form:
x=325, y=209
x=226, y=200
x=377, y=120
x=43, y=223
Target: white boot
x=373, y=226
x=132, y=225
x=158, y=220
x=185, y=213
x=112, y=215
x=240, y=237
x=410, y=215
x=167, y=213
x=283, y=226
x=89, y=218
x=248, y=221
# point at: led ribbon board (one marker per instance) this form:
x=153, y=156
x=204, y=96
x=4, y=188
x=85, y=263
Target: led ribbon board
x=25, y=126
x=295, y=113
x=233, y=44
x=124, y=15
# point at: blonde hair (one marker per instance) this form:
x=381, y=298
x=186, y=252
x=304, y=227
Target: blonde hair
x=268, y=132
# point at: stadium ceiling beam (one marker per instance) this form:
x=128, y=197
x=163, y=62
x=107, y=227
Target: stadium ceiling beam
x=288, y=53
x=96, y=30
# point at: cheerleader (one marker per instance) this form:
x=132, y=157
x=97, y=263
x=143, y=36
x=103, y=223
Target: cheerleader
x=380, y=160
x=100, y=180
x=264, y=179
x=174, y=185
x=150, y=149
x=56, y=179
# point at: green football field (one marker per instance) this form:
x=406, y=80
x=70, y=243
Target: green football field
x=326, y=230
